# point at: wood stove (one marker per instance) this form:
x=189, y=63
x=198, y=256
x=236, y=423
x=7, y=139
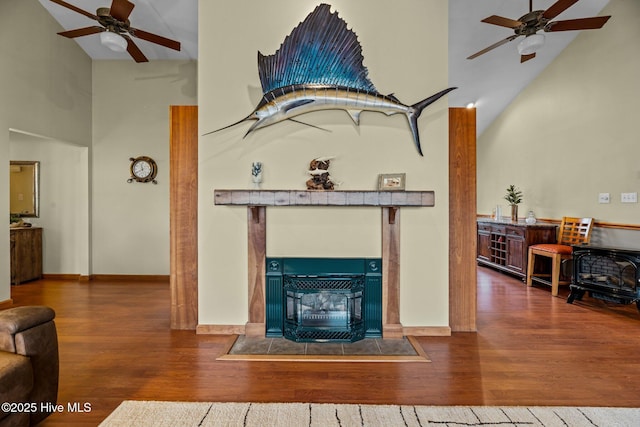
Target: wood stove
x=324, y=299
x=610, y=274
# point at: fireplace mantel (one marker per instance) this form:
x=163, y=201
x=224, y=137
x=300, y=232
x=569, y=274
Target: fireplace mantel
x=389, y=199
x=390, y=203
x=323, y=198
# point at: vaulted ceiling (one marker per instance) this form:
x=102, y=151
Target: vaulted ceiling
x=491, y=81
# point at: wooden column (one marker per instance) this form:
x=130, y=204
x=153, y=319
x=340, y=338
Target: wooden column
x=462, y=219
x=257, y=238
x=183, y=222
x=391, y=326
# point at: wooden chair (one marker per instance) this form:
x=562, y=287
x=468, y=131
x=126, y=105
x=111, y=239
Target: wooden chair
x=573, y=231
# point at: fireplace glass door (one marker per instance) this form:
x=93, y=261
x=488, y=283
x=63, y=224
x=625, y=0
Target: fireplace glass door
x=323, y=309
x=609, y=274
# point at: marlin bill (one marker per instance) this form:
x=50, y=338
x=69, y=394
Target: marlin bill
x=319, y=66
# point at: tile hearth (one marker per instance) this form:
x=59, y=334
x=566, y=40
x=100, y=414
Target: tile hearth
x=281, y=346
x=263, y=349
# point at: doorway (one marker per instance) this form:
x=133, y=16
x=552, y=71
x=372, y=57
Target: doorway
x=64, y=200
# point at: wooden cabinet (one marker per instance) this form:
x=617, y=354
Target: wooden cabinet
x=26, y=254
x=484, y=242
x=505, y=245
x=516, y=252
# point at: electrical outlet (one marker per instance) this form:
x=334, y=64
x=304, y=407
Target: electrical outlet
x=603, y=198
x=629, y=197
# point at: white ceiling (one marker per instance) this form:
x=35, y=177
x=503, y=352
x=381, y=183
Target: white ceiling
x=491, y=80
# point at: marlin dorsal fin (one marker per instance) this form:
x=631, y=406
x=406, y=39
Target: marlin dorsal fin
x=304, y=56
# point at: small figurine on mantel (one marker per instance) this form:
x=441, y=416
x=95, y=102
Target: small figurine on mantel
x=256, y=174
x=319, y=171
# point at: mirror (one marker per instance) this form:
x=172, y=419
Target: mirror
x=24, y=184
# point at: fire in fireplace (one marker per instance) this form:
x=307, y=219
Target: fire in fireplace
x=324, y=299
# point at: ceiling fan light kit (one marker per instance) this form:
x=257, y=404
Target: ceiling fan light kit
x=113, y=41
x=531, y=44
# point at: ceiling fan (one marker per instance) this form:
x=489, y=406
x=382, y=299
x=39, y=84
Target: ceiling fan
x=115, y=31
x=528, y=26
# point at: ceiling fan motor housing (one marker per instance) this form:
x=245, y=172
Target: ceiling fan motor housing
x=103, y=11
x=532, y=23
x=111, y=23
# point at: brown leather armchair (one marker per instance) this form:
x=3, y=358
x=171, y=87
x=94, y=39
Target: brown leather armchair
x=29, y=366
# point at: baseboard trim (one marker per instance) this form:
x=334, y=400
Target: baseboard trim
x=220, y=330
x=74, y=277
x=108, y=277
x=426, y=331
x=129, y=278
x=6, y=304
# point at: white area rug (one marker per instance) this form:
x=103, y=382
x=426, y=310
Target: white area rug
x=144, y=413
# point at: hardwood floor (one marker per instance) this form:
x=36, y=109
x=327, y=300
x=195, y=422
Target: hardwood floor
x=530, y=349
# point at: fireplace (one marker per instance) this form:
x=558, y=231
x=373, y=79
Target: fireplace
x=610, y=274
x=389, y=203
x=324, y=299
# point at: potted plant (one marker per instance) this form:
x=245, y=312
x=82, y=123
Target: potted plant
x=15, y=220
x=514, y=197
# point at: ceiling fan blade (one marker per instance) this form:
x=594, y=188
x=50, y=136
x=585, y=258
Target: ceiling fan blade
x=578, y=24
x=121, y=9
x=81, y=32
x=557, y=8
x=493, y=46
x=154, y=38
x=133, y=50
x=502, y=21
x=75, y=9
x=525, y=58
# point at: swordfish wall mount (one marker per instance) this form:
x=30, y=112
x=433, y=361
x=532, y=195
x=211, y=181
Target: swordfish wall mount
x=319, y=67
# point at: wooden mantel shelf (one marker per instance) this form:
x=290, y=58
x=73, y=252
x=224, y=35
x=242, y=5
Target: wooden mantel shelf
x=324, y=198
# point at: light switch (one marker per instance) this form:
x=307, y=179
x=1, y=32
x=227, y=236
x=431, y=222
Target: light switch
x=604, y=198
x=629, y=197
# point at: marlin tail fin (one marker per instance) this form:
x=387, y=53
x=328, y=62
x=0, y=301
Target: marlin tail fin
x=416, y=110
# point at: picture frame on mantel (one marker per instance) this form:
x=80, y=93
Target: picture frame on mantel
x=391, y=182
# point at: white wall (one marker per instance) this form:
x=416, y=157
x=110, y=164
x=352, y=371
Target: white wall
x=45, y=82
x=130, y=222
x=573, y=132
x=47, y=87
x=64, y=201
x=405, y=49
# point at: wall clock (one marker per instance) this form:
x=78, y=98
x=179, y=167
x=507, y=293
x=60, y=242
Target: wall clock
x=143, y=169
